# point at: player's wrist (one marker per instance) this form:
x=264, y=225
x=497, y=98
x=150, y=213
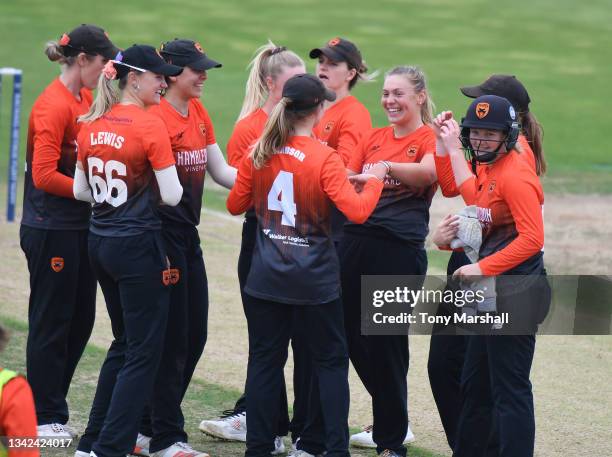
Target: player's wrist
x=387, y=165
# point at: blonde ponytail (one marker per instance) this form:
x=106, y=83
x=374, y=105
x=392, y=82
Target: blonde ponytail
x=416, y=77
x=106, y=97
x=275, y=134
x=269, y=61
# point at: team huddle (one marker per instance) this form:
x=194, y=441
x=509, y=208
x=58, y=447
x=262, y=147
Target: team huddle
x=327, y=198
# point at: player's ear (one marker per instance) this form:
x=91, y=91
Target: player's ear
x=421, y=97
x=269, y=83
x=132, y=77
x=351, y=74
x=82, y=59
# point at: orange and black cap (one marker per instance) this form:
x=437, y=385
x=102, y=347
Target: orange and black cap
x=187, y=53
x=340, y=50
x=89, y=39
x=506, y=86
x=306, y=91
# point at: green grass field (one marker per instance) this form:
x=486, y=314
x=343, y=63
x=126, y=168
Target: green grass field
x=554, y=46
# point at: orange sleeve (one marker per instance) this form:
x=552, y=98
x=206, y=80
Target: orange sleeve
x=356, y=160
x=49, y=124
x=156, y=141
x=522, y=195
x=356, y=207
x=351, y=132
x=239, y=144
x=446, y=178
x=17, y=415
x=240, y=197
x=468, y=190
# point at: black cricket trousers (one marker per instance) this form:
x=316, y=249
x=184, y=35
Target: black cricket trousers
x=302, y=366
x=495, y=385
x=61, y=314
x=447, y=349
x=186, y=334
x=130, y=272
x=269, y=337
x=380, y=361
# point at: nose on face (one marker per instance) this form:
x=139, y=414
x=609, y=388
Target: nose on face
x=389, y=102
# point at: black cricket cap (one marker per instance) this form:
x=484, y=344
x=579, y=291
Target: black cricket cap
x=187, y=53
x=89, y=39
x=507, y=86
x=490, y=112
x=142, y=57
x=340, y=50
x=306, y=91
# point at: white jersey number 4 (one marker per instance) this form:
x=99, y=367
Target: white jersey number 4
x=280, y=197
x=112, y=189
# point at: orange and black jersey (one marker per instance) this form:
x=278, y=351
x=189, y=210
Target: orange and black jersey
x=509, y=198
x=294, y=260
x=48, y=201
x=189, y=135
x=119, y=152
x=246, y=133
x=342, y=126
x=402, y=211
x=446, y=177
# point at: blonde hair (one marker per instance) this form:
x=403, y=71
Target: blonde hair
x=54, y=53
x=277, y=131
x=269, y=61
x=416, y=77
x=106, y=96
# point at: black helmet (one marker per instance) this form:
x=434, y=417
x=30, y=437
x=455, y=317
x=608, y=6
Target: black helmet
x=493, y=113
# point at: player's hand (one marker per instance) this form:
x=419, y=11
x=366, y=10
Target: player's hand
x=440, y=120
x=358, y=181
x=446, y=231
x=449, y=134
x=468, y=273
